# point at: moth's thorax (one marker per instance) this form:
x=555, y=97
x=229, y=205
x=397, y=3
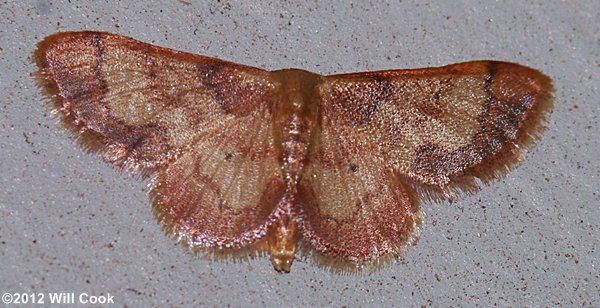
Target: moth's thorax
x=295, y=119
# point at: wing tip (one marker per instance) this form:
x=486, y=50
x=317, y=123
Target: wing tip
x=508, y=157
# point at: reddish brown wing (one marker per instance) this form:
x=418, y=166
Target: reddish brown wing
x=386, y=134
x=201, y=125
x=439, y=128
x=353, y=209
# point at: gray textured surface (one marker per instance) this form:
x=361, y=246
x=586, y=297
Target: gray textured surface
x=71, y=223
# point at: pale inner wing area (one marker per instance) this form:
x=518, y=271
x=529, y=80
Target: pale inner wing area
x=212, y=195
x=354, y=208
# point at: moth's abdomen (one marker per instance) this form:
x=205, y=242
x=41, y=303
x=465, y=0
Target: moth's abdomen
x=296, y=138
x=296, y=116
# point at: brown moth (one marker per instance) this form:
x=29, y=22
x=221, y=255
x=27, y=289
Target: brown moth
x=242, y=157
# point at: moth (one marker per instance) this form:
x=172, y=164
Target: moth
x=241, y=157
